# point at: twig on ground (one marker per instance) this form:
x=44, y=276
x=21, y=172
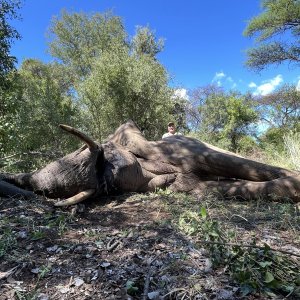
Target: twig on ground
x=147, y=280
x=248, y=246
x=8, y=273
x=146, y=285
x=111, y=245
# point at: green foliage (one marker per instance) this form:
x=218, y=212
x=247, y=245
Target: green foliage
x=32, y=111
x=124, y=86
x=116, y=79
x=280, y=111
x=131, y=288
x=279, y=17
x=225, y=119
x=281, y=148
x=255, y=268
x=77, y=39
x=247, y=145
x=9, y=105
x=144, y=42
x=273, y=138
x=7, y=241
x=8, y=10
x=281, y=108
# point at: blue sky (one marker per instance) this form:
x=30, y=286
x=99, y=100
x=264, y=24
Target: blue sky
x=203, y=39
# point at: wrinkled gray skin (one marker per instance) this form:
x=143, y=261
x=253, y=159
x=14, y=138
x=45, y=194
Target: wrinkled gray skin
x=127, y=162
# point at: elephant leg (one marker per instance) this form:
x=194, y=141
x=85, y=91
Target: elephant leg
x=160, y=181
x=287, y=187
x=10, y=190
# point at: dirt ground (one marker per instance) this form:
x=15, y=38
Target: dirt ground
x=129, y=247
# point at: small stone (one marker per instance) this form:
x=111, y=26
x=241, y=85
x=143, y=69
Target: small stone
x=208, y=266
x=78, y=282
x=153, y=295
x=35, y=270
x=224, y=294
x=22, y=234
x=64, y=290
x=105, y=264
x=52, y=249
x=42, y=297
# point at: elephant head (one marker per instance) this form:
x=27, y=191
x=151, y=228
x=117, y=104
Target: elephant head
x=75, y=176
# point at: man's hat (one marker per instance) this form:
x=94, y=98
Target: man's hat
x=171, y=124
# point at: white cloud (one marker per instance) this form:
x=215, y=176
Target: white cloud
x=218, y=76
x=221, y=79
x=252, y=85
x=181, y=93
x=298, y=85
x=267, y=87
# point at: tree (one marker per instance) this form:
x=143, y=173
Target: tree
x=77, y=39
x=197, y=98
x=280, y=111
x=116, y=79
x=281, y=108
x=8, y=34
x=144, y=42
x=41, y=100
x=224, y=118
x=279, y=18
x=122, y=86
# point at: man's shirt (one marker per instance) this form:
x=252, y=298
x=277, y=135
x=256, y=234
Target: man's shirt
x=170, y=134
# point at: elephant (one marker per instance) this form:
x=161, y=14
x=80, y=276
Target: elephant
x=127, y=162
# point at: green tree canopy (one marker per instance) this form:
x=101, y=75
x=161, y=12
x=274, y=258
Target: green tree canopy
x=281, y=108
x=116, y=78
x=8, y=10
x=77, y=39
x=280, y=111
x=121, y=87
x=277, y=31
x=41, y=99
x=144, y=42
x=224, y=118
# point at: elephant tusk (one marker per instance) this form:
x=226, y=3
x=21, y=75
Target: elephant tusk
x=76, y=199
x=91, y=144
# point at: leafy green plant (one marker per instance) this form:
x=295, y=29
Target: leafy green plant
x=37, y=235
x=60, y=222
x=36, y=232
x=7, y=241
x=256, y=268
x=131, y=287
x=33, y=294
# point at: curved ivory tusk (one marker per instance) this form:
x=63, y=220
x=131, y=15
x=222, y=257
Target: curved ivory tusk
x=91, y=144
x=76, y=199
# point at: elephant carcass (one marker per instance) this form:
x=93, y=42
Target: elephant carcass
x=200, y=167
x=127, y=162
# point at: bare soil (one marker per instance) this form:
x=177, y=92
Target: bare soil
x=129, y=247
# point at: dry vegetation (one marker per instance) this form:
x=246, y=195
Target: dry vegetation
x=149, y=246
